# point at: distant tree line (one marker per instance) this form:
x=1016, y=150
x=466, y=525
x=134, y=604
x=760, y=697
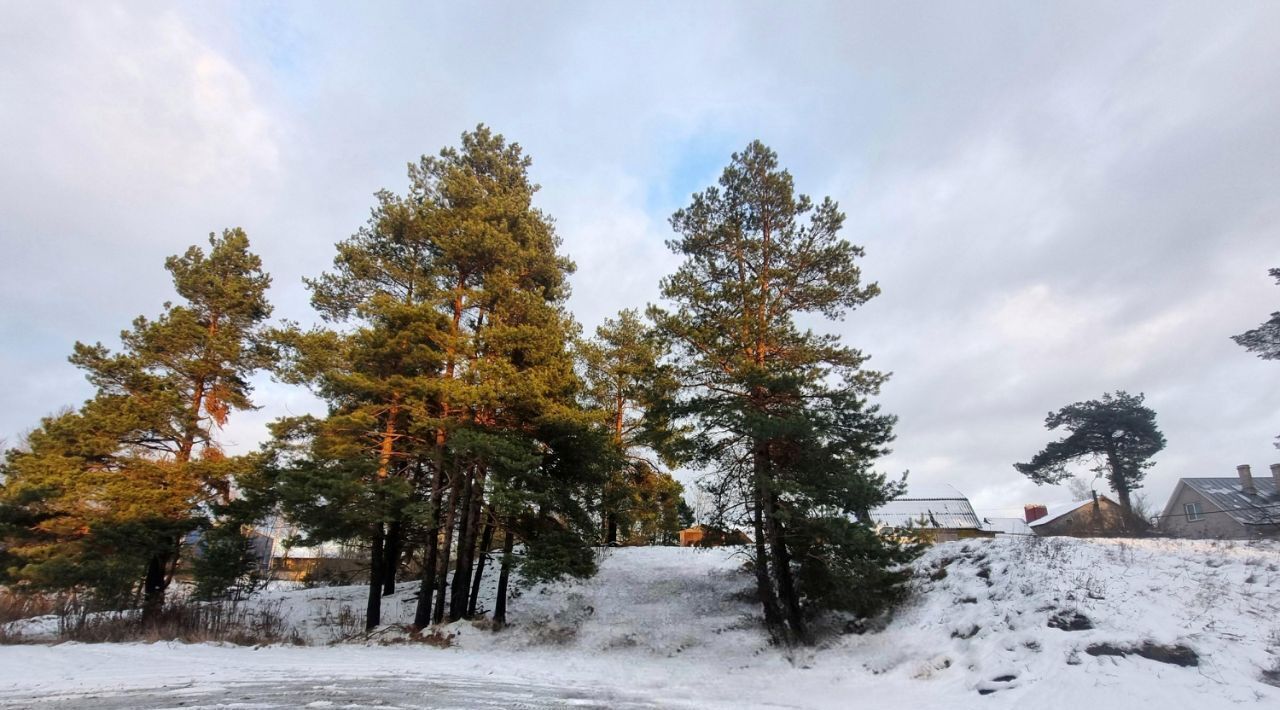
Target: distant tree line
x=471, y=429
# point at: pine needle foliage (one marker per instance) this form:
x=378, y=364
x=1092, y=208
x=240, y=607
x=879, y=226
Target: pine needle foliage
x=112, y=489
x=1117, y=435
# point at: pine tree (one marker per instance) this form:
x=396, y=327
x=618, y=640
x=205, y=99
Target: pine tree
x=355, y=474
x=781, y=414
x=115, y=486
x=517, y=387
x=1265, y=339
x=442, y=397
x=626, y=383
x=1117, y=433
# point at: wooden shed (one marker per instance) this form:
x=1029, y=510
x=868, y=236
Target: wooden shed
x=701, y=536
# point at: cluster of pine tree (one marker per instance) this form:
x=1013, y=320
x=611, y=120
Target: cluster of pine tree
x=470, y=428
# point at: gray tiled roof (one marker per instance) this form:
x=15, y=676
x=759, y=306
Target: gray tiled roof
x=1226, y=493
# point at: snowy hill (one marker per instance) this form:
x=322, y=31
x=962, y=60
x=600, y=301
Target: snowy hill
x=1054, y=623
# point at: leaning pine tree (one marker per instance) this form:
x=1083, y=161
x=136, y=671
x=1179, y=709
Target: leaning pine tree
x=781, y=415
x=1117, y=434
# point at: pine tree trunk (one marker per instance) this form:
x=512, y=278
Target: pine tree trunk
x=422, y=614
x=764, y=584
x=153, y=588
x=486, y=539
x=377, y=553
x=442, y=576
x=1126, y=500
x=391, y=556
x=500, y=603
x=466, y=542
x=782, y=570
x=476, y=523
x=611, y=537
x=1119, y=481
x=373, y=610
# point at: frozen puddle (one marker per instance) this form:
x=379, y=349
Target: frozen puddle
x=381, y=693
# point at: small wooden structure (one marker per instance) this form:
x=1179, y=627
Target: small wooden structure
x=691, y=536
x=701, y=536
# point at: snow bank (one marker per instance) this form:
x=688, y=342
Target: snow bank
x=678, y=626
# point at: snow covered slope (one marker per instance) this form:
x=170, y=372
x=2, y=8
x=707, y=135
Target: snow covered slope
x=1005, y=623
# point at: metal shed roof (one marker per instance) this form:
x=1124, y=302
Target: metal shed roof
x=932, y=507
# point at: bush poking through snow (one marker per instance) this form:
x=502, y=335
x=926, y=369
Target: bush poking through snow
x=1175, y=654
x=1070, y=620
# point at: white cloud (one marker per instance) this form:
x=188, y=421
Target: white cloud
x=1057, y=201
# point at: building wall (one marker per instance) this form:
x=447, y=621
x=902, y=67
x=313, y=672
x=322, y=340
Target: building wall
x=932, y=535
x=690, y=537
x=316, y=568
x=1107, y=518
x=698, y=536
x=1215, y=524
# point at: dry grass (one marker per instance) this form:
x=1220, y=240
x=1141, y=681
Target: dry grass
x=186, y=621
x=341, y=622
x=183, y=620
x=15, y=606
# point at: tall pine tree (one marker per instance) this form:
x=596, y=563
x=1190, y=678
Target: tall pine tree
x=355, y=474
x=781, y=414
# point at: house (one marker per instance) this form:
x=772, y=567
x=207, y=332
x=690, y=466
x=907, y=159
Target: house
x=1097, y=517
x=330, y=560
x=1006, y=526
x=260, y=547
x=1239, y=507
x=939, y=513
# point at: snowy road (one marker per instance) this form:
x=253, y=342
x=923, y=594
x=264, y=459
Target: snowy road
x=382, y=693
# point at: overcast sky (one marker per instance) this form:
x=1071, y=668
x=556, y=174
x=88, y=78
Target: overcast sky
x=1056, y=201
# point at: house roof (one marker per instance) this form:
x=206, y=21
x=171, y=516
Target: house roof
x=931, y=507
x=1226, y=493
x=1057, y=511
x=1006, y=526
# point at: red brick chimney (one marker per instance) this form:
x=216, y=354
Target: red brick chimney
x=1034, y=512
x=1246, y=480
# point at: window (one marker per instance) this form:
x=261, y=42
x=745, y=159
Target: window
x=1193, y=511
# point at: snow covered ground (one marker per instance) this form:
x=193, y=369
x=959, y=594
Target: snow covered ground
x=1012, y=622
